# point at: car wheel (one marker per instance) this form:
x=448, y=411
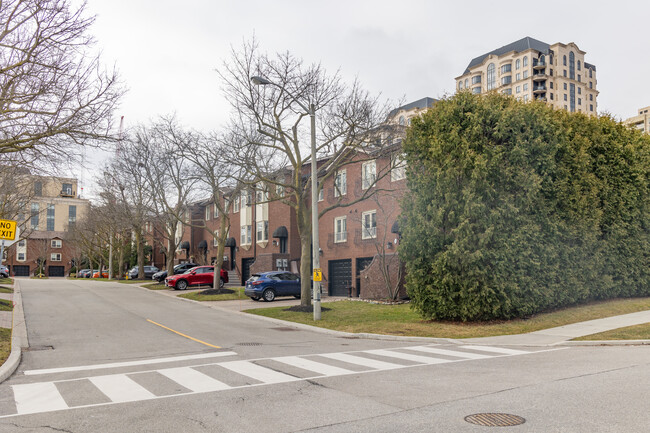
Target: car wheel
x=268, y=295
x=255, y=298
x=221, y=283
x=181, y=285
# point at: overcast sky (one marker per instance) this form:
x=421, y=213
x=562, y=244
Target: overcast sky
x=167, y=51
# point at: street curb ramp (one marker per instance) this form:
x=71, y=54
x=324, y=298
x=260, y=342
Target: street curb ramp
x=18, y=335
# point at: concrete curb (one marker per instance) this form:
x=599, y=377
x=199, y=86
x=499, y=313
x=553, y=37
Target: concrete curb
x=407, y=338
x=18, y=336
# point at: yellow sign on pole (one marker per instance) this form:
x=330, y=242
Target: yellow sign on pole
x=8, y=230
x=318, y=274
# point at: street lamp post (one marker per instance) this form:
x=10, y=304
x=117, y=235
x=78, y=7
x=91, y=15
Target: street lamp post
x=315, y=248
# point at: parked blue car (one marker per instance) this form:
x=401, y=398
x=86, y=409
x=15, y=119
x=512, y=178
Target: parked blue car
x=268, y=285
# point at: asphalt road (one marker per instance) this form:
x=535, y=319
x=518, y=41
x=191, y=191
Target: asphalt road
x=110, y=357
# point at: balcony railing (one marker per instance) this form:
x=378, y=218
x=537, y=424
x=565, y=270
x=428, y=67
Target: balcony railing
x=341, y=237
x=538, y=65
x=539, y=89
x=67, y=193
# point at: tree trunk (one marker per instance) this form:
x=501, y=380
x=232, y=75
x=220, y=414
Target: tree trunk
x=140, y=248
x=303, y=218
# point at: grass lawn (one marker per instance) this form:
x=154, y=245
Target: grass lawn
x=637, y=332
x=5, y=344
x=6, y=305
x=359, y=317
x=6, y=289
x=6, y=281
x=209, y=295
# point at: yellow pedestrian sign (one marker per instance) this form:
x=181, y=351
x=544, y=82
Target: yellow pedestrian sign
x=318, y=274
x=7, y=230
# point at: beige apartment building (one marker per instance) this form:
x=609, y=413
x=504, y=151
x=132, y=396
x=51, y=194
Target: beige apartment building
x=50, y=207
x=529, y=69
x=641, y=121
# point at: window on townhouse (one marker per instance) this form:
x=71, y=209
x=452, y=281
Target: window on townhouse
x=340, y=229
x=525, y=61
x=215, y=240
x=34, y=216
x=491, y=76
x=398, y=168
x=38, y=188
x=525, y=87
x=56, y=243
x=216, y=211
x=279, y=190
x=235, y=205
x=525, y=74
x=340, y=183
x=368, y=174
x=246, y=235
x=369, y=225
x=66, y=189
x=262, y=231
x=72, y=216
x=55, y=257
x=518, y=64
x=517, y=76
x=50, y=217
x=21, y=257
x=321, y=194
x=207, y=213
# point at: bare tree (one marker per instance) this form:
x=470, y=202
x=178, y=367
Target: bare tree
x=54, y=92
x=272, y=141
x=170, y=175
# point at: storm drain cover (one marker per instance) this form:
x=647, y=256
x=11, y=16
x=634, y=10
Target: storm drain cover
x=249, y=344
x=495, y=419
x=37, y=348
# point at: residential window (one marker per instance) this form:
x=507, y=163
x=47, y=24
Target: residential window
x=525, y=74
x=579, y=78
x=517, y=64
x=21, y=257
x=551, y=96
x=279, y=190
x=491, y=76
x=262, y=231
x=590, y=75
x=565, y=72
x=525, y=98
x=579, y=101
x=340, y=229
x=466, y=82
x=67, y=189
x=518, y=89
x=369, y=225
x=507, y=91
x=476, y=79
x=572, y=65
x=525, y=61
x=506, y=68
x=579, y=90
x=476, y=90
x=550, y=72
x=72, y=215
x=402, y=120
x=506, y=80
x=460, y=85
x=235, y=206
x=564, y=60
x=398, y=168
x=572, y=97
x=340, y=183
x=55, y=257
x=22, y=243
x=368, y=174
x=565, y=98
x=525, y=87
x=565, y=86
x=591, y=107
x=591, y=86
x=215, y=239
x=246, y=235
x=38, y=188
x=56, y=243
x=551, y=84
x=579, y=64
x=591, y=97
x=50, y=217
x=321, y=194
x=518, y=76
x=207, y=213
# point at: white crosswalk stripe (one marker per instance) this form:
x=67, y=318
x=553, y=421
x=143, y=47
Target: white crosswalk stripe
x=119, y=388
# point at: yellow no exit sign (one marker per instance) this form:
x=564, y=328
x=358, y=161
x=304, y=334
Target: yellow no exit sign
x=8, y=230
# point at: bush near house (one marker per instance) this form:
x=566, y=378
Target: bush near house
x=516, y=208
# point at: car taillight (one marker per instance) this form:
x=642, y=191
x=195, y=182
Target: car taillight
x=256, y=283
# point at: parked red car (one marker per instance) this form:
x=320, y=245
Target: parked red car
x=103, y=275
x=198, y=276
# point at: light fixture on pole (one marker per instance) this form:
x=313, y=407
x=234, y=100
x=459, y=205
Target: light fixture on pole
x=261, y=81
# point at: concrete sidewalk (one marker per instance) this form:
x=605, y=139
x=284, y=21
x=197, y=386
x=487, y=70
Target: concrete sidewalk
x=546, y=337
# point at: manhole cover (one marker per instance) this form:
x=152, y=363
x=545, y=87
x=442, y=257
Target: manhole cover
x=249, y=344
x=495, y=419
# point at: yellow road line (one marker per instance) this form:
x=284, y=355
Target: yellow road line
x=183, y=335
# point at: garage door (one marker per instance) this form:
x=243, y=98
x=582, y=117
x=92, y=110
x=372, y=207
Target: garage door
x=56, y=271
x=340, y=277
x=21, y=271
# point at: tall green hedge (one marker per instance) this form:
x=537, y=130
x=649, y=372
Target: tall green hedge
x=517, y=208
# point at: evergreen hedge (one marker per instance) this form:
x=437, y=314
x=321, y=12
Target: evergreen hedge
x=517, y=208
